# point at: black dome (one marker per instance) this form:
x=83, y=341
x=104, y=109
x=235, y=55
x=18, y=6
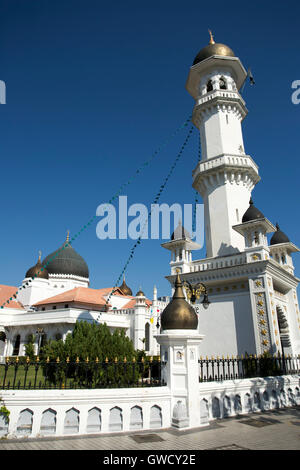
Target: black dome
x=67, y=261
x=252, y=213
x=213, y=49
x=279, y=237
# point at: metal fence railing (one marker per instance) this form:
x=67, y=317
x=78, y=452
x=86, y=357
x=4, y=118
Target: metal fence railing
x=220, y=368
x=22, y=373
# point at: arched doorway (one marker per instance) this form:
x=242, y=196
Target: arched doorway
x=2, y=343
x=147, y=337
x=17, y=341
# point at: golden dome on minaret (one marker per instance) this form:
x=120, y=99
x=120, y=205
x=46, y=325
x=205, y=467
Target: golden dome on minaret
x=212, y=49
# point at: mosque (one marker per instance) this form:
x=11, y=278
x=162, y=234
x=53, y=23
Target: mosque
x=248, y=280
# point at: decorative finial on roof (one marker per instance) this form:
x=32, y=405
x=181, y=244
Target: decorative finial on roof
x=68, y=236
x=40, y=256
x=211, y=41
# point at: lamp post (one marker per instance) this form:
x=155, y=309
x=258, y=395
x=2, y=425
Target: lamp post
x=195, y=291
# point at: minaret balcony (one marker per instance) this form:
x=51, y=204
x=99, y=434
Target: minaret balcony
x=238, y=169
x=225, y=100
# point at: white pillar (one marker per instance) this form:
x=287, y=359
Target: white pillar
x=179, y=350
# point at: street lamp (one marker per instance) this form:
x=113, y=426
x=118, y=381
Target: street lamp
x=195, y=291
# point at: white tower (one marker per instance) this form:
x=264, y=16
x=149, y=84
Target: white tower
x=225, y=175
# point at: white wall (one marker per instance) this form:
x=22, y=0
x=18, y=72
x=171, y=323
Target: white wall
x=227, y=326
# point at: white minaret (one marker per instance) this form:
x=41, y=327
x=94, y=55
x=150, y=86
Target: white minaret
x=225, y=175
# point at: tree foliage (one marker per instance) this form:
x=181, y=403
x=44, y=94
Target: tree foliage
x=91, y=356
x=90, y=340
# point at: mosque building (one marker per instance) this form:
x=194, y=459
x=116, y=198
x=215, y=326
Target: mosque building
x=250, y=281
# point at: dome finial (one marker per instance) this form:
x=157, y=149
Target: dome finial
x=68, y=236
x=40, y=256
x=211, y=41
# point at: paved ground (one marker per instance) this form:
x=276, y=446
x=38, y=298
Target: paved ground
x=273, y=430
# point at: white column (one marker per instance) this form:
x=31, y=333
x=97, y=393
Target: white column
x=179, y=349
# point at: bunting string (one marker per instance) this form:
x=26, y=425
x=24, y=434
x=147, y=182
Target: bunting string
x=138, y=171
x=196, y=192
x=157, y=197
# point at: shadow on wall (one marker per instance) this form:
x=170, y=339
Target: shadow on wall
x=227, y=250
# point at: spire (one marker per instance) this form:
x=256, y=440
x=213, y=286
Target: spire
x=178, y=294
x=40, y=256
x=211, y=41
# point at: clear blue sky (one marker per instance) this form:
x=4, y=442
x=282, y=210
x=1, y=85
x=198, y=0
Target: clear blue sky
x=94, y=87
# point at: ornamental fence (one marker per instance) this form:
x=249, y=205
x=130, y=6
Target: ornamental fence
x=25, y=374
x=219, y=369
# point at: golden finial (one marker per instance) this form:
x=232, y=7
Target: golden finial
x=211, y=41
x=40, y=256
x=68, y=236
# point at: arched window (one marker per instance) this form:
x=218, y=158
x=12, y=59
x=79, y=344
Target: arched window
x=147, y=337
x=24, y=425
x=71, y=424
x=16, y=349
x=136, y=418
x=223, y=84
x=94, y=420
x=155, y=417
x=209, y=86
x=48, y=422
x=115, y=419
x=2, y=342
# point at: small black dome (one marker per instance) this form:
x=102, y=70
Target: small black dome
x=37, y=271
x=179, y=314
x=67, y=261
x=140, y=293
x=213, y=49
x=279, y=237
x=252, y=213
x=180, y=233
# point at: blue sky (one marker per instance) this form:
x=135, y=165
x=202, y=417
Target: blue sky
x=93, y=88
